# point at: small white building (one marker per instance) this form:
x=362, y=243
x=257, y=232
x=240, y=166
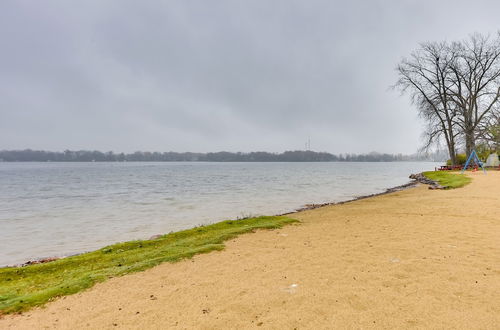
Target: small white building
x=492, y=160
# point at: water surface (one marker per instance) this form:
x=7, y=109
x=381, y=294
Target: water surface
x=54, y=209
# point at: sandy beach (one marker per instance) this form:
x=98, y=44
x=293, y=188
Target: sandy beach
x=417, y=258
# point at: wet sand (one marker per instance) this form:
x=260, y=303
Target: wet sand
x=417, y=258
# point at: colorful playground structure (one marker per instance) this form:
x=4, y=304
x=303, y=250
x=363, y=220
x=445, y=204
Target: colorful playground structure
x=473, y=163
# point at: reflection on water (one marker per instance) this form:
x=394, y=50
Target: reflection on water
x=49, y=209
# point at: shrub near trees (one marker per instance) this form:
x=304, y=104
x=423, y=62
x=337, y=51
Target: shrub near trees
x=456, y=89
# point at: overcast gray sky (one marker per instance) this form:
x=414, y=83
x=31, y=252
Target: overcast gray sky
x=217, y=75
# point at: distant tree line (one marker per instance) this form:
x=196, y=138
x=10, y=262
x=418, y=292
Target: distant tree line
x=29, y=155
x=456, y=89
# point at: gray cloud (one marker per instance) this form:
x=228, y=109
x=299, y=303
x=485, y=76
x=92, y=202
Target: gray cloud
x=217, y=75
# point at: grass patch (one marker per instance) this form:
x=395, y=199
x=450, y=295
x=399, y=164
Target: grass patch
x=24, y=287
x=448, y=179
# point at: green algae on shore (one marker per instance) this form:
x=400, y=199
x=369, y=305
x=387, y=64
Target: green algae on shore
x=449, y=180
x=24, y=287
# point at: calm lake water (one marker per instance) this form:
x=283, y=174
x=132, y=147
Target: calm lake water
x=56, y=209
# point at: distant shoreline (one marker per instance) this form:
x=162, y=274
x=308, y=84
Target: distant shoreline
x=216, y=161
x=29, y=155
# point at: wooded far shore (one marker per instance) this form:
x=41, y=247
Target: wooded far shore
x=29, y=155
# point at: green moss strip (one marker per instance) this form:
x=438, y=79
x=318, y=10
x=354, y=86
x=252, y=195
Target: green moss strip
x=448, y=179
x=24, y=287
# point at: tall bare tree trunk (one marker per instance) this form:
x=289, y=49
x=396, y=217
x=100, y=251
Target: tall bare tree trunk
x=452, y=151
x=453, y=155
x=470, y=142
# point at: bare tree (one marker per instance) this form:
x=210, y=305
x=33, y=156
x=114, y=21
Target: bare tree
x=427, y=77
x=489, y=131
x=456, y=88
x=476, y=84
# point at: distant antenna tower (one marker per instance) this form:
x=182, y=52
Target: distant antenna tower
x=308, y=144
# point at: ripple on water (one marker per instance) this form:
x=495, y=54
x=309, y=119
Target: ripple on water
x=62, y=208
